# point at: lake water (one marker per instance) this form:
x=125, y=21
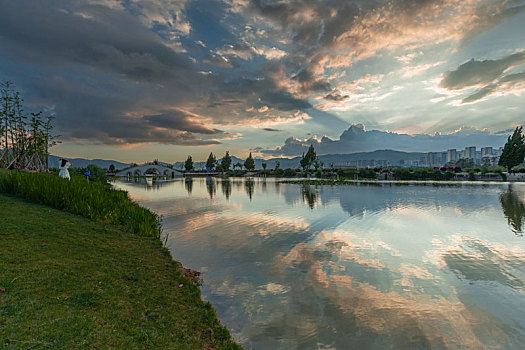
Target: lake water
x=352, y=267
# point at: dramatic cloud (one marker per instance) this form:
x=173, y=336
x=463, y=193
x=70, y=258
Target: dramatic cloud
x=179, y=120
x=214, y=72
x=107, y=39
x=476, y=73
x=489, y=74
x=357, y=139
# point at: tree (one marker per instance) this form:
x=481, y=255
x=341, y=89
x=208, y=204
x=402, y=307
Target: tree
x=210, y=163
x=514, y=150
x=264, y=165
x=303, y=162
x=226, y=161
x=188, y=165
x=249, y=163
x=111, y=168
x=309, y=158
x=277, y=165
x=317, y=164
x=25, y=138
x=237, y=165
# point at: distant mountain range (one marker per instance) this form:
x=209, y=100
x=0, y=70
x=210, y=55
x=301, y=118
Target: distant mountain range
x=338, y=160
x=82, y=163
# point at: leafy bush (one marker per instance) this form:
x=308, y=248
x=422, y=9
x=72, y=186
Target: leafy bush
x=96, y=173
x=278, y=172
x=235, y=173
x=94, y=200
x=289, y=172
x=367, y=173
x=423, y=173
x=350, y=173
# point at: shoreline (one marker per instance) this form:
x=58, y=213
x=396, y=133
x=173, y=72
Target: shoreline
x=349, y=182
x=112, y=287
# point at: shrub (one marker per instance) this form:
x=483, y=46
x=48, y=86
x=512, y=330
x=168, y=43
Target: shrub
x=289, y=172
x=449, y=175
x=367, y=173
x=278, y=172
x=96, y=173
x=93, y=200
x=350, y=173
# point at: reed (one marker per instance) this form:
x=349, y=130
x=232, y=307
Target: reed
x=93, y=200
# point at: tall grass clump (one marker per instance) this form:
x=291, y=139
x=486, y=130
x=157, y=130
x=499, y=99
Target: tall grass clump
x=94, y=200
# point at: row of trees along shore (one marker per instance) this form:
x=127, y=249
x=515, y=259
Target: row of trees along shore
x=25, y=138
x=512, y=156
x=212, y=163
x=222, y=165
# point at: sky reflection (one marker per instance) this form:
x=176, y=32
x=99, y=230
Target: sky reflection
x=362, y=266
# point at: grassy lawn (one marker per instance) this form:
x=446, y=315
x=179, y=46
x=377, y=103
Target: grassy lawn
x=69, y=282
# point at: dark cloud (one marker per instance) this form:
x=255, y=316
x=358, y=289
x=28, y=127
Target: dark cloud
x=336, y=96
x=357, y=139
x=270, y=129
x=481, y=93
x=474, y=73
x=60, y=33
x=284, y=101
x=309, y=83
x=179, y=120
x=240, y=50
x=505, y=85
x=218, y=61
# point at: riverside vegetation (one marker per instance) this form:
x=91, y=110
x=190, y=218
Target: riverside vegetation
x=70, y=282
x=94, y=200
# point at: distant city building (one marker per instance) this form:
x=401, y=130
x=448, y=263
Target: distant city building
x=486, y=156
x=452, y=155
x=469, y=153
x=486, y=151
x=436, y=158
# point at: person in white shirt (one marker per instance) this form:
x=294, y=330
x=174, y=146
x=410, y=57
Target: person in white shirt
x=63, y=166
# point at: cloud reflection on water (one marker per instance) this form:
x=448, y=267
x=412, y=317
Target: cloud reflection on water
x=372, y=267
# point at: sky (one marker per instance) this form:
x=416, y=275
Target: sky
x=134, y=80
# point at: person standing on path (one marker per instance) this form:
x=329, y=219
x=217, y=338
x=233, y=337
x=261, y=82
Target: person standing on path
x=63, y=166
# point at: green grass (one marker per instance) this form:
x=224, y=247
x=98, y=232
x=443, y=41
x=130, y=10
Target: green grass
x=94, y=200
x=67, y=282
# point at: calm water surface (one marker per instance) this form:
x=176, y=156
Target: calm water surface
x=352, y=267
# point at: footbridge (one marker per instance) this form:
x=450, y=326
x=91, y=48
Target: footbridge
x=153, y=169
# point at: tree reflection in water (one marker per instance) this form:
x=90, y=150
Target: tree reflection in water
x=309, y=196
x=188, y=182
x=249, y=186
x=513, y=209
x=210, y=186
x=226, y=186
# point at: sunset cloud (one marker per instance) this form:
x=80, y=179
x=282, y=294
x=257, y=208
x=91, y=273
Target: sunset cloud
x=202, y=72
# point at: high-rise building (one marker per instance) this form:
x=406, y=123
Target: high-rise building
x=436, y=158
x=470, y=152
x=452, y=155
x=486, y=151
